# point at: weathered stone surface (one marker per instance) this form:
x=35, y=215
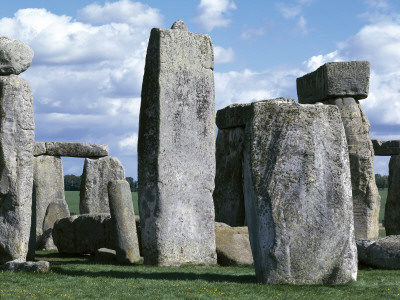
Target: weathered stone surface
x=123, y=217
x=15, y=56
x=39, y=148
x=45, y=242
x=234, y=115
x=76, y=149
x=233, y=245
x=382, y=253
x=176, y=149
x=16, y=152
x=180, y=25
x=392, y=208
x=97, y=173
x=386, y=148
x=29, y=266
x=83, y=234
x=228, y=194
x=298, y=194
x=334, y=80
x=48, y=181
x=105, y=255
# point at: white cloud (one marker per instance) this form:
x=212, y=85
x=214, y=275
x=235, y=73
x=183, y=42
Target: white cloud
x=213, y=13
x=288, y=12
x=302, y=25
x=223, y=55
x=129, y=143
x=249, y=33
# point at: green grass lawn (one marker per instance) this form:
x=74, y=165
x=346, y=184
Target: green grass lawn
x=82, y=278
x=72, y=198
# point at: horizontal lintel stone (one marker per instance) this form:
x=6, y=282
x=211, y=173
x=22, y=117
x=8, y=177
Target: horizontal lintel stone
x=334, y=80
x=386, y=148
x=88, y=150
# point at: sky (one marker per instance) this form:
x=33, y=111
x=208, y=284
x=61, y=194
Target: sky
x=89, y=59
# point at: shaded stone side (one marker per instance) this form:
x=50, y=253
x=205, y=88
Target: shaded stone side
x=16, y=160
x=298, y=194
x=48, y=180
x=366, y=199
x=392, y=208
x=228, y=193
x=97, y=173
x=123, y=218
x=386, y=148
x=176, y=149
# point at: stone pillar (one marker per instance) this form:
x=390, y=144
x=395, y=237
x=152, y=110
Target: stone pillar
x=48, y=180
x=176, y=149
x=16, y=148
x=392, y=208
x=297, y=191
x=228, y=194
x=123, y=219
x=97, y=173
x=343, y=84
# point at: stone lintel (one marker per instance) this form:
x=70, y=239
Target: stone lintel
x=386, y=148
x=334, y=80
x=87, y=150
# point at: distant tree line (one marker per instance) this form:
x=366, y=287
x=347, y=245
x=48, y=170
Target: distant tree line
x=73, y=183
x=381, y=181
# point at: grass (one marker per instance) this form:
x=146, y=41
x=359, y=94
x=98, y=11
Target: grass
x=82, y=278
x=72, y=198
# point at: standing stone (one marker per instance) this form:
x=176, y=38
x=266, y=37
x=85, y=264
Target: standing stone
x=123, y=217
x=176, y=149
x=48, y=180
x=297, y=193
x=228, y=194
x=392, y=208
x=97, y=173
x=343, y=84
x=16, y=163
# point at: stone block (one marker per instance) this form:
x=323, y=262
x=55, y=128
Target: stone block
x=29, y=266
x=15, y=56
x=380, y=253
x=176, y=149
x=97, y=173
x=334, y=80
x=123, y=217
x=39, y=148
x=76, y=149
x=386, y=148
x=16, y=151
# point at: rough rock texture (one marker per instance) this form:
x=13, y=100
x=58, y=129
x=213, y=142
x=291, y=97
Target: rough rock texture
x=233, y=245
x=350, y=79
x=382, y=253
x=16, y=152
x=48, y=187
x=298, y=194
x=46, y=241
x=15, y=56
x=386, y=148
x=176, y=149
x=83, y=234
x=97, y=173
x=39, y=148
x=334, y=80
x=392, y=208
x=30, y=266
x=76, y=149
x=123, y=217
x=228, y=193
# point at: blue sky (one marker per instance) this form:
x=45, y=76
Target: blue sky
x=89, y=59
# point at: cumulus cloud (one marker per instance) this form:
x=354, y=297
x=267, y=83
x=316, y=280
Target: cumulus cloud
x=222, y=55
x=213, y=13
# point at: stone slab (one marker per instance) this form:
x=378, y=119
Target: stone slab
x=380, y=253
x=334, y=79
x=40, y=266
x=76, y=149
x=386, y=148
x=15, y=56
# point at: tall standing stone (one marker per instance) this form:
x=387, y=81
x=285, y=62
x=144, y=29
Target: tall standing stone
x=123, y=218
x=16, y=160
x=297, y=192
x=97, y=173
x=343, y=84
x=392, y=207
x=176, y=149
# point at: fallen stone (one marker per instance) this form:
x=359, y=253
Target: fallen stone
x=233, y=245
x=83, y=234
x=176, y=149
x=16, y=148
x=297, y=191
x=381, y=253
x=392, y=207
x=228, y=193
x=39, y=148
x=97, y=173
x=86, y=150
x=386, y=148
x=123, y=218
x=105, y=255
x=334, y=80
x=29, y=266
x=15, y=56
